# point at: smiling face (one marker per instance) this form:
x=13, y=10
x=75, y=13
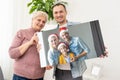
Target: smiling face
x=59, y=13
x=63, y=49
x=38, y=23
x=65, y=36
x=54, y=42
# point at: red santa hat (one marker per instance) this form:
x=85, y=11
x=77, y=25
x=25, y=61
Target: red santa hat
x=62, y=44
x=62, y=30
x=51, y=35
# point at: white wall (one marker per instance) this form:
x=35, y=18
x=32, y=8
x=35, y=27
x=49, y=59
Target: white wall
x=15, y=16
x=6, y=24
x=107, y=12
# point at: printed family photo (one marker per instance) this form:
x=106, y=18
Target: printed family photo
x=85, y=39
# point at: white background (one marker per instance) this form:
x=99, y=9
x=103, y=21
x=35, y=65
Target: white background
x=14, y=16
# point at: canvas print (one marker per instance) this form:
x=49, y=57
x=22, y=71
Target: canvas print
x=85, y=35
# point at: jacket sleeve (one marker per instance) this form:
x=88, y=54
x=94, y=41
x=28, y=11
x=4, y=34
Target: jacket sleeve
x=83, y=45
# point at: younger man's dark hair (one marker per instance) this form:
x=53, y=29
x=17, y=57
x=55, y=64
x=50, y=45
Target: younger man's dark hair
x=58, y=4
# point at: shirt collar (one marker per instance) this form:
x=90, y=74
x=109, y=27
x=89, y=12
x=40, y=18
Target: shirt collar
x=67, y=24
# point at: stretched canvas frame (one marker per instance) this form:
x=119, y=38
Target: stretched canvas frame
x=89, y=32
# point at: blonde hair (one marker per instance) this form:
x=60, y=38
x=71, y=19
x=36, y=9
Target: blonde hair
x=40, y=13
x=49, y=39
x=52, y=35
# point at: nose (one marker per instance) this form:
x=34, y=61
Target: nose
x=58, y=14
x=54, y=42
x=64, y=36
x=41, y=22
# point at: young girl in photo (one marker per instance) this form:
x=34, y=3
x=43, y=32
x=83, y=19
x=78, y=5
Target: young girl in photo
x=65, y=55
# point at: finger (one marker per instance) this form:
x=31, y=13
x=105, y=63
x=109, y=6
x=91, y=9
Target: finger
x=35, y=34
x=106, y=52
x=105, y=47
x=101, y=56
x=106, y=55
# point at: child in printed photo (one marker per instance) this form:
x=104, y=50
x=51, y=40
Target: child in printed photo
x=65, y=55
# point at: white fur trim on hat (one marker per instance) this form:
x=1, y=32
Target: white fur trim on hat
x=62, y=30
x=51, y=35
x=62, y=44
